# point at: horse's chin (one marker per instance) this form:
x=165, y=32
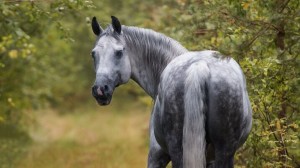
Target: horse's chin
x=104, y=102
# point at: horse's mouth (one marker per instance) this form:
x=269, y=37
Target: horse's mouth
x=103, y=101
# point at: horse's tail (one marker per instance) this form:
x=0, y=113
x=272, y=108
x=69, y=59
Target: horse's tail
x=194, y=142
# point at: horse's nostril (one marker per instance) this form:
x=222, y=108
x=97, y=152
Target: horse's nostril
x=105, y=87
x=102, y=89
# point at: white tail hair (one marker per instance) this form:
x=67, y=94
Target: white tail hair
x=194, y=143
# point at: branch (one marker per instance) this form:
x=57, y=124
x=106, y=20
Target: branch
x=247, y=46
x=284, y=6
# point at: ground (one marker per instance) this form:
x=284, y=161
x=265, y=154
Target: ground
x=114, y=136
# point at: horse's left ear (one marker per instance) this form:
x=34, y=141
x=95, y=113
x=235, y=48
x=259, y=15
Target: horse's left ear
x=116, y=24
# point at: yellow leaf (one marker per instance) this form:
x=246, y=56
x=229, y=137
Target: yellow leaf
x=1, y=119
x=13, y=54
x=10, y=101
x=278, y=126
x=213, y=40
x=245, y=5
x=295, y=126
x=2, y=48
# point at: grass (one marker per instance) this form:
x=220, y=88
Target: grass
x=114, y=136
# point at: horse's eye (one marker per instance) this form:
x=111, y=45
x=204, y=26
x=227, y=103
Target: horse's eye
x=119, y=53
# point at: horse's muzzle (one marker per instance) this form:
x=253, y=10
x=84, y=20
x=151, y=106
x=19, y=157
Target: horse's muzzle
x=102, y=94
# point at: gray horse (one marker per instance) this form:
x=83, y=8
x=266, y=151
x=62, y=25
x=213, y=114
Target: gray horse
x=202, y=113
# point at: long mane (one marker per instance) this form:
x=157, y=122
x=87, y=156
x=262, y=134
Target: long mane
x=155, y=49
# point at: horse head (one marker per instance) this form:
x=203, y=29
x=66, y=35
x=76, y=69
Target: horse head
x=111, y=61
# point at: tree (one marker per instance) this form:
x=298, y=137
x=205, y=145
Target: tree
x=35, y=64
x=28, y=29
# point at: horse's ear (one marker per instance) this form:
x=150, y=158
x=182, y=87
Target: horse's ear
x=96, y=27
x=116, y=24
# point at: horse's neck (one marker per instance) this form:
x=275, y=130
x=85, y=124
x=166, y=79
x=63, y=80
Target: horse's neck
x=149, y=52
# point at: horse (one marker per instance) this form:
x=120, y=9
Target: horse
x=201, y=112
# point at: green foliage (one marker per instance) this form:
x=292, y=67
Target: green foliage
x=36, y=66
x=34, y=60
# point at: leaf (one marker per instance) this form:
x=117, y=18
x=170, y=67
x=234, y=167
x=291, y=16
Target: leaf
x=278, y=126
x=245, y=5
x=1, y=119
x=13, y=54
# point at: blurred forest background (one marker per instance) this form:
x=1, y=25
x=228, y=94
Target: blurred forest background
x=48, y=117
